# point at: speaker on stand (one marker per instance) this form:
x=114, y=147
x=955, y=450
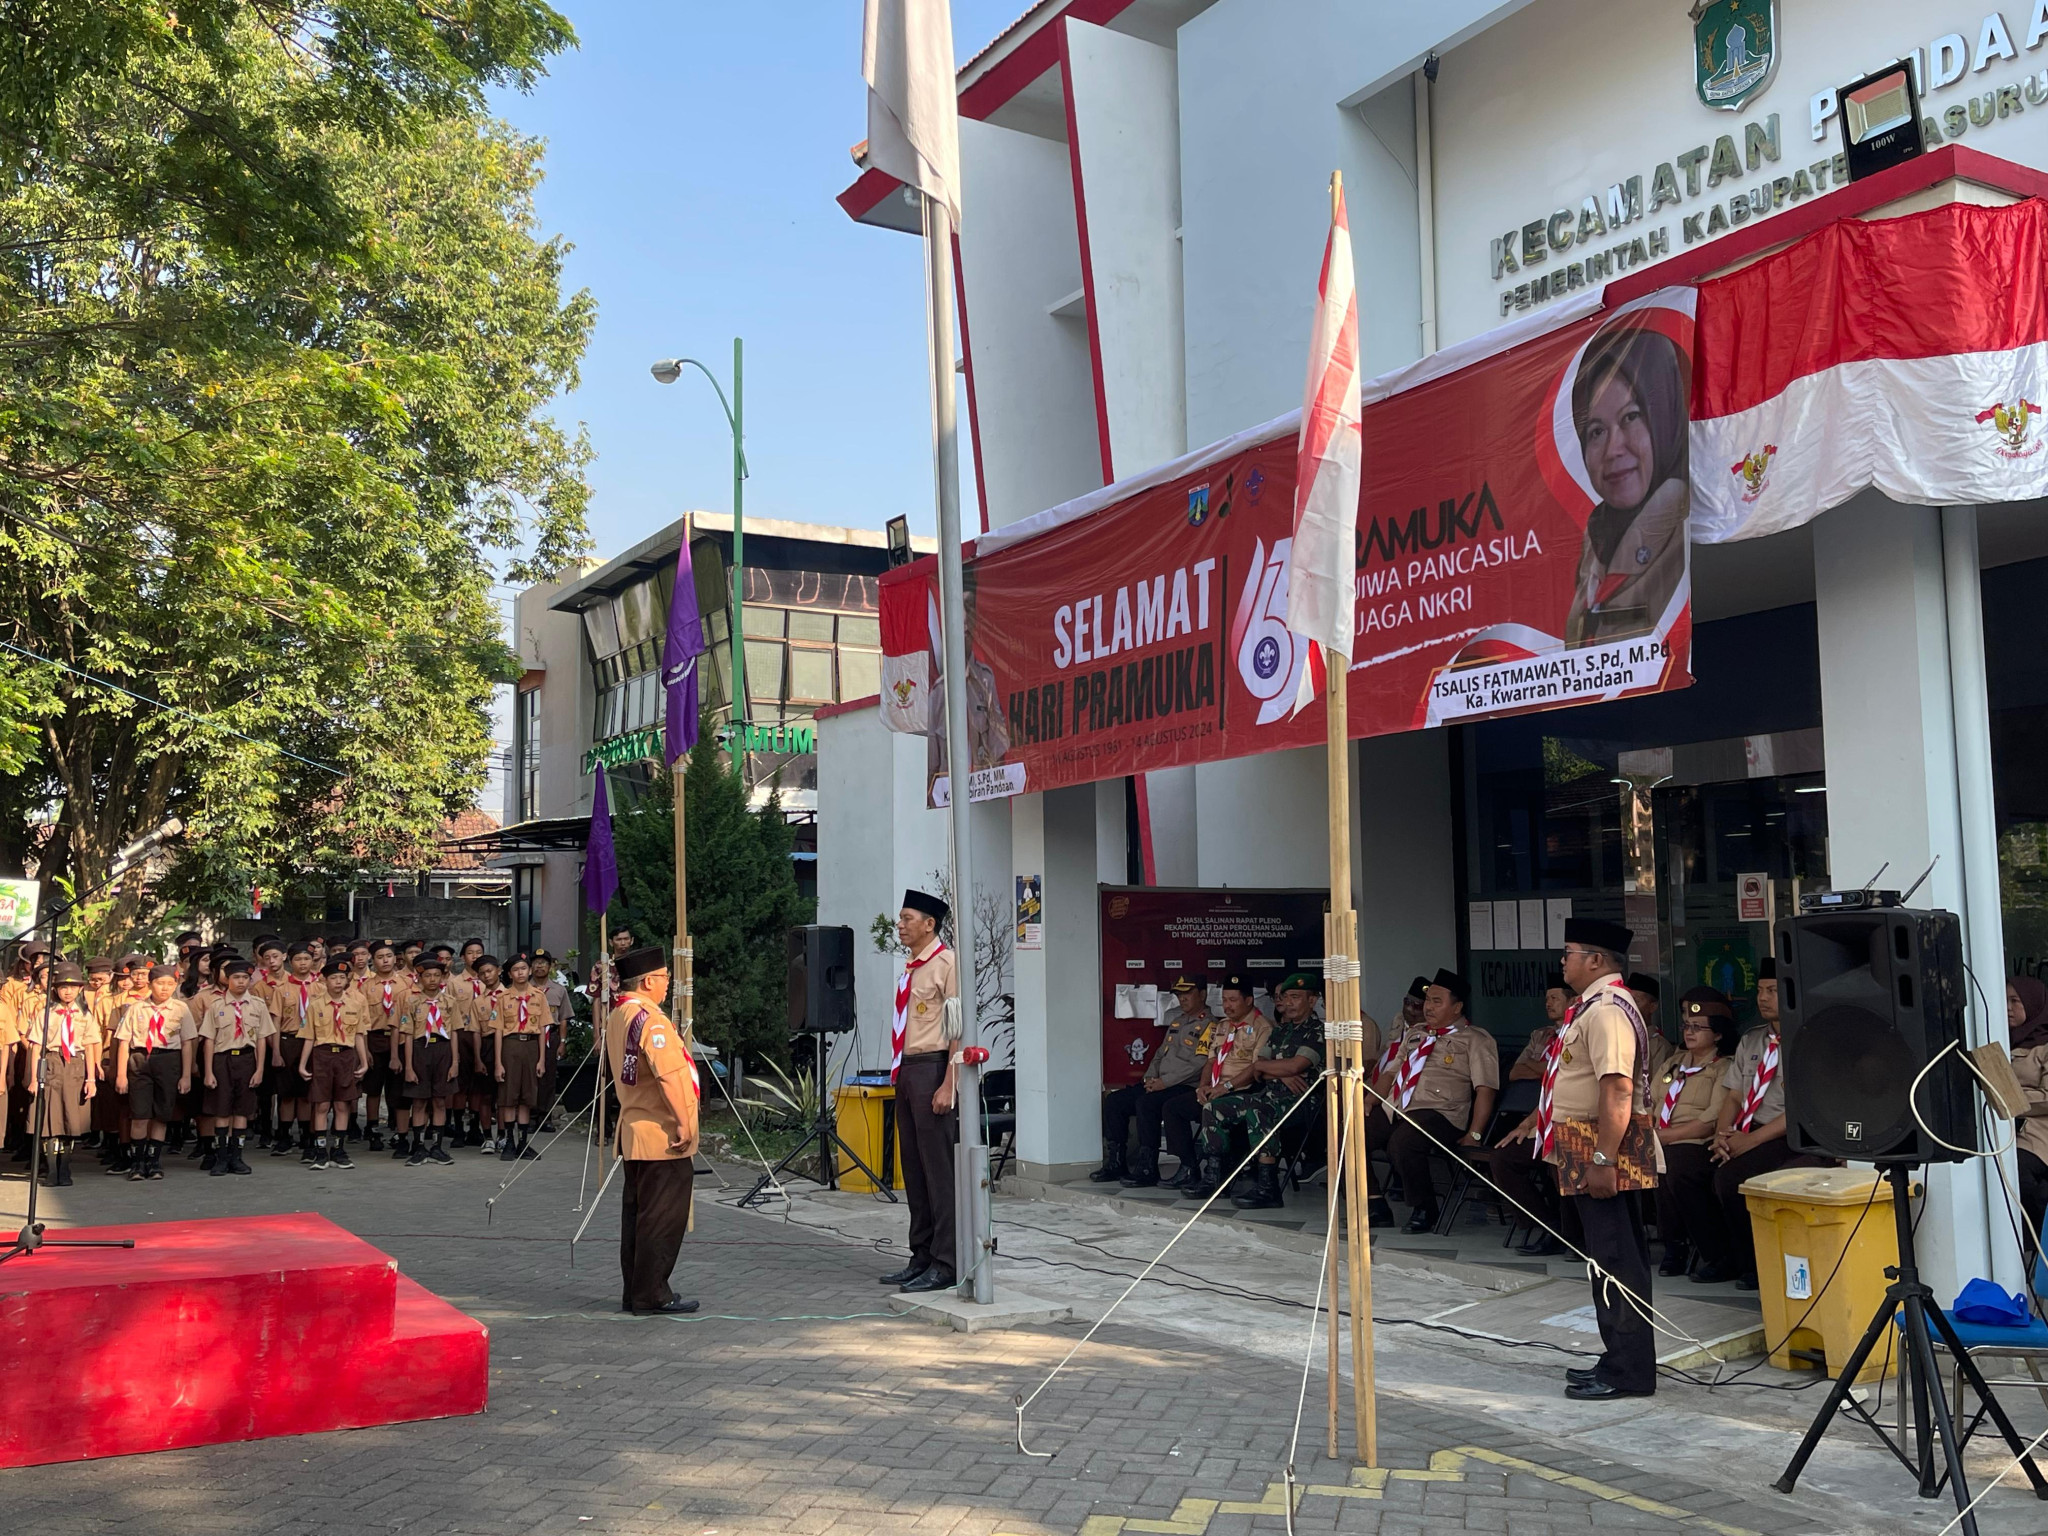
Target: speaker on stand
x=1872, y=1012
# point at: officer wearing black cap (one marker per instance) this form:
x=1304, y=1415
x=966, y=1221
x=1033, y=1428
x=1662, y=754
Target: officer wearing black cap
x=1443, y=1081
x=1593, y=1126
x=1162, y=1097
x=1283, y=1066
x=1648, y=993
x=922, y=1043
x=657, y=1086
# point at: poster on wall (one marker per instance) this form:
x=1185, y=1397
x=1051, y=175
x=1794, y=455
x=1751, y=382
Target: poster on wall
x=1030, y=912
x=1521, y=547
x=1153, y=935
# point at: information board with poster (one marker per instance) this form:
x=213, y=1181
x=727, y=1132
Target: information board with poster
x=17, y=907
x=1153, y=935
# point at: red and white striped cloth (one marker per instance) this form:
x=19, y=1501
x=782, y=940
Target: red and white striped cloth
x=1680, y=1075
x=1411, y=1068
x=901, y=1024
x=1759, y=1084
x=1909, y=354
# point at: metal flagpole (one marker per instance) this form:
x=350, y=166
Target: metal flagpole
x=972, y=1168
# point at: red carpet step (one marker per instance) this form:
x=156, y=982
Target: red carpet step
x=213, y=1331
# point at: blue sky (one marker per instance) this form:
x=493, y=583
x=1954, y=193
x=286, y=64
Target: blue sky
x=694, y=151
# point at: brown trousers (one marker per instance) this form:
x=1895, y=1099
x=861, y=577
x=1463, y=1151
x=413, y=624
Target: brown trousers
x=655, y=1215
x=927, y=1141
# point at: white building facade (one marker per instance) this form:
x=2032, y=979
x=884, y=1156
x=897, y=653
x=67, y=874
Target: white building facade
x=1144, y=212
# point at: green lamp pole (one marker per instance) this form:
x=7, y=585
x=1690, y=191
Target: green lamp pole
x=667, y=371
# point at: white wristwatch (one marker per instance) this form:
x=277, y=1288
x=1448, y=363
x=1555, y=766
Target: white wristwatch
x=1601, y=1159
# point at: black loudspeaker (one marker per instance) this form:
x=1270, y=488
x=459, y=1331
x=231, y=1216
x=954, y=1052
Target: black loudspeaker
x=1866, y=1000
x=820, y=980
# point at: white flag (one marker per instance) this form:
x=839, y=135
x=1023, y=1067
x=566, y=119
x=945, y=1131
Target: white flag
x=1322, y=578
x=906, y=57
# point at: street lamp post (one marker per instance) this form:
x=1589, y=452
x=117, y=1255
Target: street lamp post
x=667, y=371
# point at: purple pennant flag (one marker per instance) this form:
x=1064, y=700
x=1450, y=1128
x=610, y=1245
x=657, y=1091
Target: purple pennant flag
x=679, y=653
x=600, y=860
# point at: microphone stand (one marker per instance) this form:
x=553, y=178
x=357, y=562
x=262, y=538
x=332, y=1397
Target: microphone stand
x=30, y=1237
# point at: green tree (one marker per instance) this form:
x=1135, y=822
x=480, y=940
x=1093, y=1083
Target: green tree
x=743, y=899
x=276, y=326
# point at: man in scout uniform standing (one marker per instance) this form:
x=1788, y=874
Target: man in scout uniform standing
x=234, y=1044
x=1283, y=1065
x=427, y=1065
x=1169, y=1080
x=657, y=1087
x=925, y=1073
x=1445, y=1076
x=149, y=1063
x=1593, y=1126
x=387, y=994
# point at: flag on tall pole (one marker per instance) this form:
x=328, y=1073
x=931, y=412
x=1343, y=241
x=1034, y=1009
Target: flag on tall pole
x=1322, y=571
x=600, y=859
x=679, y=653
x=906, y=57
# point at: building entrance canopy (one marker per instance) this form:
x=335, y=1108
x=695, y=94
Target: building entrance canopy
x=1523, y=520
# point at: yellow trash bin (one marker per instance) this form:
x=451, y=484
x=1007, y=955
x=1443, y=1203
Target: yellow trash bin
x=1804, y=1219
x=861, y=1117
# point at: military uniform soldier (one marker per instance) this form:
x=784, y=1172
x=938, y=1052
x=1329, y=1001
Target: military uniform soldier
x=1593, y=1126
x=1283, y=1066
x=149, y=1064
x=1168, y=1085
x=657, y=1087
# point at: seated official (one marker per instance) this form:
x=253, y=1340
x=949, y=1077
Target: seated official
x=1528, y=1066
x=1285, y=1063
x=1648, y=991
x=1749, y=1139
x=1443, y=1081
x=1685, y=1101
x=1161, y=1098
x=2026, y=1017
x=1237, y=1041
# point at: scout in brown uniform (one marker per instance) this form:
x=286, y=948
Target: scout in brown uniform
x=1648, y=993
x=1593, y=1126
x=291, y=999
x=427, y=1065
x=12, y=991
x=63, y=1072
x=1238, y=1043
x=926, y=1077
x=385, y=993
x=657, y=1083
x=234, y=1040
x=199, y=991
x=1685, y=1103
x=557, y=1037
x=332, y=1056
x=1445, y=1076
x=149, y=1065
x=520, y=1023
x=1528, y=1066
x=476, y=1002
x=22, y=1000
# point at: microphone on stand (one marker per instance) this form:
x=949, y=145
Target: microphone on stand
x=144, y=846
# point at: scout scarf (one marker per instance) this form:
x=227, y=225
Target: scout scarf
x=1680, y=1075
x=1759, y=1085
x=1225, y=1044
x=67, y=1038
x=305, y=986
x=1553, y=1057
x=158, y=1038
x=1411, y=1070
x=390, y=994
x=1386, y=1061
x=522, y=1012
x=239, y=1031
x=436, y=1029
x=901, y=1026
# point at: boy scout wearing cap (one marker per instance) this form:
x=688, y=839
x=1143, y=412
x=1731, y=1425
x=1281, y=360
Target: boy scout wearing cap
x=658, y=1088
x=927, y=1114
x=557, y=1036
x=150, y=1044
x=519, y=1026
x=427, y=1064
x=1167, y=1086
x=333, y=1055
x=477, y=1000
x=291, y=1001
x=386, y=993
x=234, y=1043
x=1593, y=1126
x=63, y=1074
x=1443, y=1076
x=1284, y=1063
x=109, y=1125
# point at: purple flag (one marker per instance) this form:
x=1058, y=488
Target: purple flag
x=679, y=653
x=600, y=859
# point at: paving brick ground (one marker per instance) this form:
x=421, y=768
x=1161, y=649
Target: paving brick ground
x=793, y=1406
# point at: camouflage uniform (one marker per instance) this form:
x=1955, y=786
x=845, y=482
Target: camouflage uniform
x=1260, y=1107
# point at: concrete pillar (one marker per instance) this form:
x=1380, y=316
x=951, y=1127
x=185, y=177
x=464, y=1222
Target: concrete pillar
x=1907, y=735
x=1171, y=793
x=1059, y=1029
x=1406, y=882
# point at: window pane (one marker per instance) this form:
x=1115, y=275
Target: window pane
x=809, y=626
x=764, y=669
x=603, y=629
x=860, y=629
x=810, y=675
x=765, y=621
x=860, y=674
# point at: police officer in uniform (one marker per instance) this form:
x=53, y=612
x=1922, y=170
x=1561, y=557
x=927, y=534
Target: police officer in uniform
x=1169, y=1083
x=927, y=1119
x=657, y=1086
x=1596, y=1133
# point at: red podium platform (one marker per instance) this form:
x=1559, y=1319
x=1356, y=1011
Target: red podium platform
x=213, y=1331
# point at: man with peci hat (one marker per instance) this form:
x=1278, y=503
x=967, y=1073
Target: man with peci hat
x=1648, y=993
x=1437, y=1094
x=658, y=1089
x=1167, y=1086
x=1593, y=1126
x=923, y=1041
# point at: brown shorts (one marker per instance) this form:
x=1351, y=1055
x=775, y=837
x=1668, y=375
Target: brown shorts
x=471, y=1048
x=60, y=1095
x=153, y=1083
x=521, y=1087
x=230, y=1095
x=334, y=1074
x=291, y=1088
x=430, y=1061
x=379, y=1077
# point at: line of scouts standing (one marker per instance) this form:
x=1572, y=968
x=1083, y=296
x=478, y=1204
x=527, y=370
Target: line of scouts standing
x=307, y=1047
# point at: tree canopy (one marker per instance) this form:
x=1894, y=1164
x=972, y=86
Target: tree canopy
x=276, y=328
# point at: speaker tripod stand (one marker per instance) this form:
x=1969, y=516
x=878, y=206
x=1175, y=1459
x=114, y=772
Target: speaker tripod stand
x=1920, y=1379
x=824, y=1135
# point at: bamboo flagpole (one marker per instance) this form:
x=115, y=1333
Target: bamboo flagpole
x=1321, y=602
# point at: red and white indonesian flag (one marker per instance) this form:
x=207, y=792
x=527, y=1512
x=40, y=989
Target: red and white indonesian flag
x=1909, y=354
x=1322, y=576
x=906, y=57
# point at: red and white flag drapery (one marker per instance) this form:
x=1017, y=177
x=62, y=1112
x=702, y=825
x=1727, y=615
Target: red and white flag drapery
x=1322, y=574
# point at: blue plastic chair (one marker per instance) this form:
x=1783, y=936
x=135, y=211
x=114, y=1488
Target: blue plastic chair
x=2028, y=1346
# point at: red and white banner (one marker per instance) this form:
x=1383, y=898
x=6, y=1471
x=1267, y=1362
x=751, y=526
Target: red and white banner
x=1909, y=354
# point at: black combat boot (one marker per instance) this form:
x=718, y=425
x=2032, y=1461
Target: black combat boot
x=1265, y=1193
x=1144, y=1172
x=1210, y=1180
x=1112, y=1167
